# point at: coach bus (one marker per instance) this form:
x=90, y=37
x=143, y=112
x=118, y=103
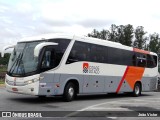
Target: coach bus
x=57, y=64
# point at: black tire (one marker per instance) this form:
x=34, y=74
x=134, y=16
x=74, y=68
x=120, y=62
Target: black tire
x=69, y=92
x=137, y=90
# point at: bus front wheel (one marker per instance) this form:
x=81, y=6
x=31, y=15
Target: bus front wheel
x=137, y=90
x=69, y=92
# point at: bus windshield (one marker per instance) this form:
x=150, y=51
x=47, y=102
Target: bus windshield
x=22, y=59
x=23, y=62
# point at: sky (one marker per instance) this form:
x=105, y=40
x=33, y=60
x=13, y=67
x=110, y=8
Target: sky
x=24, y=18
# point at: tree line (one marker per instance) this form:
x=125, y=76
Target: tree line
x=5, y=59
x=127, y=35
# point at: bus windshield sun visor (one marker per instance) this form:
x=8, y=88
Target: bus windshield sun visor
x=41, y=45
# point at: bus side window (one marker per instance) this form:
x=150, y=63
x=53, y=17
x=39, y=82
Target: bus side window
x=46, y=62
x=49, y=60
x=151, y=61
x=79, y=52
x=141, y=60
x=72, y=57
x=134, y=60
x=98, y=54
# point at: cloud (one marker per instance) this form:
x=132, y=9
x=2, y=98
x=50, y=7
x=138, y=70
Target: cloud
x=56, y=23
x=95, y=23
x=20, y=18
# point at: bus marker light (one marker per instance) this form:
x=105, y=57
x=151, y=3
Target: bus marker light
x=57, y=85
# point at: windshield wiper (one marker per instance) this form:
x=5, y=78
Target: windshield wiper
x=18, y=65
x=16, y=62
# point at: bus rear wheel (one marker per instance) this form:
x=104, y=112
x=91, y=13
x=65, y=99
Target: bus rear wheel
x=137, y=90
x=69, y=92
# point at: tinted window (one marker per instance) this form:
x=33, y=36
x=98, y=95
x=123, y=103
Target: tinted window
x=115, y=56
x=141, y=60
x=151, y=61
x=62, y=44
x=59, y=49
x=87, y=52
x=79, y=52
x=102, y=54
x=128, y=57
x=98, y=53
x=120, y=56
x=52, y=55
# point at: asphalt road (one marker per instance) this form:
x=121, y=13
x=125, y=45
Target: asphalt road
x=121, y=103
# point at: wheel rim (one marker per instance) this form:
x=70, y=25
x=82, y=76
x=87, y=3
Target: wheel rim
x=71, y=92
x=137, y=90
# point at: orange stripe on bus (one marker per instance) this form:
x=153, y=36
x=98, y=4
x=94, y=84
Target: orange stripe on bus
x=120, y=84
x=134, y=74
x=131, y=75
x=140, y=51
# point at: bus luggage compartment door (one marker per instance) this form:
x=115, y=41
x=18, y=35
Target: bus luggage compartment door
x=93, y=84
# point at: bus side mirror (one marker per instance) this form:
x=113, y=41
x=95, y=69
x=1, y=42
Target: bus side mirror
x=6, y=48
x=39, y=47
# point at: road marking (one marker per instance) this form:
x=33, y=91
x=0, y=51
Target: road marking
x=78, y=111
x=112, y=102
x=112, y=117
x=130, y=103
x=111, y=108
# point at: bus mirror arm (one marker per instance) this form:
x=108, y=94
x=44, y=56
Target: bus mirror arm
x=6, y=48
x=39, y=47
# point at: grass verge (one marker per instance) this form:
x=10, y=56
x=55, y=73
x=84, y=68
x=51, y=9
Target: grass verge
x=2, y=81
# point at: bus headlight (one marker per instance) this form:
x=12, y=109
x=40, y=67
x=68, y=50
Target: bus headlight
x=31, y=81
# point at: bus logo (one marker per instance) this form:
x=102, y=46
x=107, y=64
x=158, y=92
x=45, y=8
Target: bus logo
x=85, y=67
x=90, y=69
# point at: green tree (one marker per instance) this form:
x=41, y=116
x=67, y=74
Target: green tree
x=125, y=34
x=128, y=35
x=104, y=34
x=5, y=59
x=120, y=34
x=101, y=35
x=140, y=38
x=95, y=33
x=112, y=35
x=154, y=44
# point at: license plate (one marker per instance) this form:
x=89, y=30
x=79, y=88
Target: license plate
x=14, y=89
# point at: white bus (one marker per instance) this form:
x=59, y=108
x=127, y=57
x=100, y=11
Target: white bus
x=55, y=64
